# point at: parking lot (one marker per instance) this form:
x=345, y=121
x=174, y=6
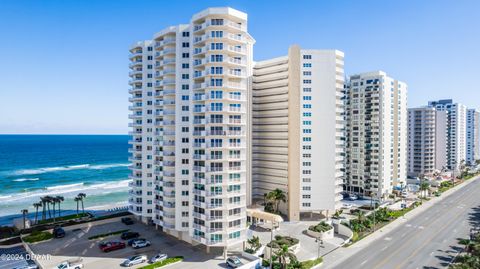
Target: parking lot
x=76, y=244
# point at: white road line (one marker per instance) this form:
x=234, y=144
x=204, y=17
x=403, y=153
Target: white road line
x=384, y=248
x=363, y=262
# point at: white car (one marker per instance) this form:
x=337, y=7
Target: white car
x=134, y=260
x=234, y=262
x=70, y=264
x=141, y=244
x=158, y=258
x=346, y=206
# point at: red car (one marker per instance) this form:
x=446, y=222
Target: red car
x=110, y=246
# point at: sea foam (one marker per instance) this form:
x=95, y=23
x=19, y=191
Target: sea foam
x=44, y=170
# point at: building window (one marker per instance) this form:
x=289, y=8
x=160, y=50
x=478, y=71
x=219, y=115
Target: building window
x=307, y=65
x=307, y=81
x=185, y=45
x=307, y=89
x=307, y=57
x=185, y=34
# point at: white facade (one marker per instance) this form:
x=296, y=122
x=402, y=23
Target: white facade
x=473, y=129
x=298, y=129
x=456, y=131
x=376, y=115
x=426, y=141
x=193, y=134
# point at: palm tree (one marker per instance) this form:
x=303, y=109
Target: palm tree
x=283, y=255
x=424, y=187
x=277, y=196
x=44, y=201
x=48, y=200
x=60, y=199
x=53, y=201
x=37, y=205
x=82, y=197
x=254, y=243
x=24, y=213
x=77, y=200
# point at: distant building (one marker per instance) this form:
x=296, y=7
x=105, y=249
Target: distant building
x=376, y=141
x=456, y=130
x=427, y=137
x=298, y=129
x=473, y=132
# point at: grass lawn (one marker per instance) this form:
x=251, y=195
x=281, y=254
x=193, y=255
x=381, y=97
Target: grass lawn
x=163, y=263
x=37, y=237
x=107, y=234
x=64, y=218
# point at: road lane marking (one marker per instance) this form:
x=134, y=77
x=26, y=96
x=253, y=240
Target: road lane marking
x=384, y=248
x=386, y=259
x=363, y=262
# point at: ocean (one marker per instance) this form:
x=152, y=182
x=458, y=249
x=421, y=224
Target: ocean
x=32, y=166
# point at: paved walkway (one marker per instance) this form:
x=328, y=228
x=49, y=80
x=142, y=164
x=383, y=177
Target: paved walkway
x=341, y=254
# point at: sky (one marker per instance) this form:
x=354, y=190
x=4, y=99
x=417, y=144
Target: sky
x=65, y=63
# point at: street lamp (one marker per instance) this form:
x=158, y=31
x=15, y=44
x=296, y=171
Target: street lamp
x=271, y=245
x=320, y=245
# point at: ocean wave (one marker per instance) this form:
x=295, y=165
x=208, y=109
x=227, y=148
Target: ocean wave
x=66, y=190
x=26, y=179
x=66, y=168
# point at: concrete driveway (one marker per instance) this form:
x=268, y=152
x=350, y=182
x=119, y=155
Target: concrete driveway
x=309, y=248
x=76, y=244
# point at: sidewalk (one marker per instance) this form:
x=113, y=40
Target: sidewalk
x=336, y=257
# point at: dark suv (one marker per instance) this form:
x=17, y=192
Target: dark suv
x=129, y=235
x=127, y=221
x=58, y=232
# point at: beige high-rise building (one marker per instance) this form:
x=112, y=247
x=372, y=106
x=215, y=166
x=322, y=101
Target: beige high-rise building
x=376, y=114
x=298, y=130
x=190, y=130
x=427, y=141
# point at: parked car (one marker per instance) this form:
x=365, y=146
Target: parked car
x=129, y=235
x=143, y=243
x=131, y=241
x=127, y=221
x=70, y=264
x=134, y=260
x=346, y=206
x=234, y=262
x=158, y=258
x=353, y=197
x=110, y=246
x=58, y=232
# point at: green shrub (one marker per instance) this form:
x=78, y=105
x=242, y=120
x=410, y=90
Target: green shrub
x=311, y=263
x=38, y=236
x=107, y=234
x=321, y=227
x=165, y=262
x=65, y=218
x=283, y=240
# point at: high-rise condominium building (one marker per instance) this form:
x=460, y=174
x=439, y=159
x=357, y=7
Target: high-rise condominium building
x=427, y=138
x=298, y=129
x=376, y=115
x=456, y=131
x=190, y=134
x=473, y=132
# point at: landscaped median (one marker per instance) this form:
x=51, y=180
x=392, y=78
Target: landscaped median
x=97, y=236
x=38, y=236
x=163, y=263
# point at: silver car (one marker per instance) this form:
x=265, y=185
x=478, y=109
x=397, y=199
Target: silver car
x=158, y=258
x=134, y=260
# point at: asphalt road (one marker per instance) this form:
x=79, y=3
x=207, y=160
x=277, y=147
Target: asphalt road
x=428, y=240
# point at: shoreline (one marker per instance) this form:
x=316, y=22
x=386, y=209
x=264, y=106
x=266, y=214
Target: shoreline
x=99, y=210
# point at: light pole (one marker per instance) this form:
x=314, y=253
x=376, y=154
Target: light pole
x=320, y=245
x=374, y=206
x=271, y=245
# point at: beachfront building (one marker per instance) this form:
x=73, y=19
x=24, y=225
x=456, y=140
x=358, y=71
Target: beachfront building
x=190, y=137
x=376, y=141
x=427, y=138
x=298, y=130
x=456, y=131
x=473, y=131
